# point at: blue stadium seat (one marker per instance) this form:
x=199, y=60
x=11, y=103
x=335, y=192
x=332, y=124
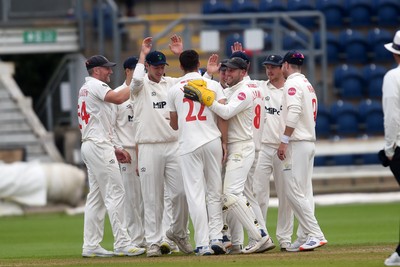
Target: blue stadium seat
x=355, y=46
x=377, y=38
x=333, y=47
x=320, y=161
x=271, y=6
x=343, y=160
x=373, y=77
x=345, y=118
x=349, y=81
x=230, y=40
x=216, y=7
x=371, y=116
x=243, y=6
x=388, y=12
x=360, y=12
x=303, y=5
x=294, y=41
x=334, y=12
x=370, y=158
x=323, y=123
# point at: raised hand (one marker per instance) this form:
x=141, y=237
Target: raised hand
x=212, y=64
x=237, y=46
x=176, y=45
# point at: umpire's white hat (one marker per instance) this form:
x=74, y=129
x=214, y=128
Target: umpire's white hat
x=394, y=47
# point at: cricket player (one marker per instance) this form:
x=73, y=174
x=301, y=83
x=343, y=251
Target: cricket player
x=157, y=145
x=297, y=150
x=101, y=155
x=201, y=155
x=125, y=134
x=239, y=111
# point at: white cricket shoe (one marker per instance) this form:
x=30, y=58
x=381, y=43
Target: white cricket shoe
x=254, y=245
x=168, y=246
x=235, y=249
x=153, y=251
x=182, y=243
x=227, y=243
x=284, y=245
x=132, y=250
x=295, y=246
x=97, y=252
x=312, y=243
x=393, y=260
x=269, y=245
x=204, y=251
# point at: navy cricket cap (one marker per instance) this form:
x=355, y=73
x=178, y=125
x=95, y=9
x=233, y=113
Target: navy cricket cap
x=293, y=57
x=242, y=55
x=98, y=61
x=222, y=67
x=236, y=63
x=156, y=58
x=130, y=62
x=274, y=60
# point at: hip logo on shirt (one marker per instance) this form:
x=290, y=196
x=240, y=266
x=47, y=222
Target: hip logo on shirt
x=159, y=105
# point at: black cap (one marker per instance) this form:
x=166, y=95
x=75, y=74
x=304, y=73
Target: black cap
x=236, y=63
x=98, y=61
x=223, y=64
x=156, y=58
x=293, y=57
x=130, y=62
x=242, y=55
x=274, y=60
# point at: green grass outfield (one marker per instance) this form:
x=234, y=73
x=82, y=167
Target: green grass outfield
x=358, y=235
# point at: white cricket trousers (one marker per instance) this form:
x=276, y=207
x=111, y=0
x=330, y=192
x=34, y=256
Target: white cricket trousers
x=134, y=210
x=158, y=166
x=297, y=177
x=202, y=179
x=240, y=160
x=106, y=193
x=269, y=164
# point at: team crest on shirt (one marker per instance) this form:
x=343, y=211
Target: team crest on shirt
x=112, y=161
x=241, y=96
x=267, y=98
x=292, y=91
x=124, y=169
x=153, y=94
x=143, y=169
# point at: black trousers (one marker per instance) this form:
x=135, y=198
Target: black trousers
x=395, y=164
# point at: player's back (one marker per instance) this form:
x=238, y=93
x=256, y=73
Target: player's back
x=197, y=124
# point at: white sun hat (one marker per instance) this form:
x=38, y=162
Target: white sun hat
x=394, y=47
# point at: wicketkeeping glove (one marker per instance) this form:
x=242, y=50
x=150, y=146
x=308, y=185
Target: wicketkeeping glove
x=196, y=90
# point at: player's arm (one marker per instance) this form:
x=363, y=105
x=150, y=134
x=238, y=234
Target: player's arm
x=231, y=109
x=173, y=116
x=391, y=118
x=284, y=142
x=223, y=128
x=117, y=97
x=139, y=72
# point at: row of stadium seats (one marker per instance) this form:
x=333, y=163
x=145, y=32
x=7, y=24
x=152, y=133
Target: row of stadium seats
x=354, y=83
x=349, y=45
x=338, y=13
x=343, y=160
x=343, y=119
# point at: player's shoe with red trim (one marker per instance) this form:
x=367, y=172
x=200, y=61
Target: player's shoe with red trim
x=129, y=251
x=182, y=242
x=97, y=252
x=393, y=260
x=312, y=243
x=295, y=246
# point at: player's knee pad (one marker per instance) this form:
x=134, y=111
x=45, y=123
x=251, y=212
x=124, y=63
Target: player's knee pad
x=243, y=211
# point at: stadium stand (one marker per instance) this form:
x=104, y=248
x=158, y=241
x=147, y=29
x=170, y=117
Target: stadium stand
x=354, y=45
x=210, y=7
x=334, y=12
x=377, y=37
x=360, y=12
x=349, y=81
x=371, y=116
x=345, y=119
x=388, y=12
x=323, y=123
x=373, y=77
x=302, y=5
